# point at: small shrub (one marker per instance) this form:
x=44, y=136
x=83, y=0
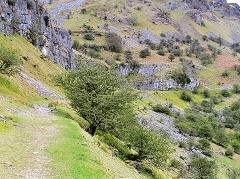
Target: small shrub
x=117, y=57
x=144, y=53
x=133, y=21
x=185, y=96
x=134, y=64
x=180, y=77
x=236, y=89
x=176, y=164
x=205, y=59
x=182, y=144
x=163, y=35
x=236, y=146
x=93, y=53
x=205, y=131
x=114, y=42
x=171, y=57
x=237, y=69
x=206, y=93
x=76, y=45
x=46, y=20
x=204, y=38
x=195, y=91
x=9, y=61
x=128, y=56
x=88, y=36
x=225, y=93
x=188, y=39
x=225, y=73
x=83, y=11
x=216, y=99
x=205, y=168
x=29, y=5
x=161, y=109
x=150, y=44
x=161, y=52
x=11, y=2
x=204, y=144
x=229, y=153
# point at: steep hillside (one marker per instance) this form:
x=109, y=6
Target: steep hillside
x=40, y=142
x=144, y=24
x=184, y=69
x=183, y=56
x=29, y=19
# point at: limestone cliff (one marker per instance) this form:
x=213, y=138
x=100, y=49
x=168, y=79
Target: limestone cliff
x=29, y=19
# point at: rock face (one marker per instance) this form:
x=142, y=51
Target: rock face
x=147, y=78
x=29, y=19
x=156, y=121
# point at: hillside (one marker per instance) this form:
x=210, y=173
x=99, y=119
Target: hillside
x=180, y=57
x=40, y=142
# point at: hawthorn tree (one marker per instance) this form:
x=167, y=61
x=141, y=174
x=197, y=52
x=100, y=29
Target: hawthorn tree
x=9, y=60
x=98, y=94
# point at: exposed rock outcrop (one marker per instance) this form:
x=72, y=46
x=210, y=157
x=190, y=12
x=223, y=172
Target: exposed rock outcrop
x=147, y=78
x=29, y=19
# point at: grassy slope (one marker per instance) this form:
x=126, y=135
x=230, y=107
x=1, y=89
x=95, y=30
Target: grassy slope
x=49, y=145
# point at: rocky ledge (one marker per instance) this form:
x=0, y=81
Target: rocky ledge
x=29, y=19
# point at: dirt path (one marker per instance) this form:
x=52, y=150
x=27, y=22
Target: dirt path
x=23, y=150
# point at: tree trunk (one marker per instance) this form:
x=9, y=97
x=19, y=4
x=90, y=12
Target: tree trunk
x=92, y=129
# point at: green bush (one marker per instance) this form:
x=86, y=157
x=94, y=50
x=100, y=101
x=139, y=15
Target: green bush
x=204, y=144
x=205, y=59
x=171, y=57
x=114, y=42
x=9, y=60
x=205, y=168
x=29, y=5
x=185, y=96
x=124, y=150
x=144, y=53
x=133, y=21
x=236, y=146
x=237, y=69
x=182, y=144
x=206, y=93
x=225, y=93
x=150, y=146
x=229, y=153
x=93, y=53
x=76, y=45
x=216, y=99
x=46, y=20
x=225, y=73
x=188, y=39
x=134, y=64
x=221, y=138
x=180, y=77
x=236, y=89
x=161, y=52
x=161, y=109
x=205, y=131
x=176, y=164
x=204, y=38
x=11, y=2
x=88, y=36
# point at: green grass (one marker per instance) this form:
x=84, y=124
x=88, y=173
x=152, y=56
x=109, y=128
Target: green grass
x=71, y=114
x=169, y=97
x=226, y=163
x=72, y=158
